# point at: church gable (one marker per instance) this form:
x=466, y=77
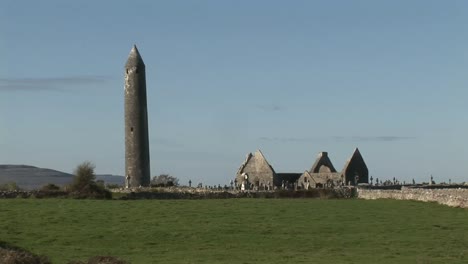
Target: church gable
x=356, y=169
x=322, y=164
x=259, y=172
x=319, y=180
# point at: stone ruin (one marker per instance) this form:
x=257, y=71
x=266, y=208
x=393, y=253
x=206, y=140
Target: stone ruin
x=255, y=173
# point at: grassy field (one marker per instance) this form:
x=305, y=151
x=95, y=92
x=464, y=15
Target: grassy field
x=238, y=230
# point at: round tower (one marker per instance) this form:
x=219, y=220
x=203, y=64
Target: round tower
x=137, y=160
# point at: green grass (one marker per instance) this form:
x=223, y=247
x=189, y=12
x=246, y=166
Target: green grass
x=238, y=230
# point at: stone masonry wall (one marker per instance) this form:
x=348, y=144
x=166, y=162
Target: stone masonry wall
x=450, y=197
x=258, y=169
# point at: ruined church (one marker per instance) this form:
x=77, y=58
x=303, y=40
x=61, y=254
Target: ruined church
x=256, y=173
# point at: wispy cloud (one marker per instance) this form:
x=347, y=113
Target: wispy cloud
x=286, y=139
x=339, y=138
x=373, y=138
x=270, y=108
x=48, y=84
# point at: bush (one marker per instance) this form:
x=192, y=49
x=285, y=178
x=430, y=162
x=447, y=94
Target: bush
x=14, y=255
x=50, y=187
x=11, y=186
x=113, y=186
x=164, y=180
x=101, y=260
x=50, y=194
x=100, y=183
x=84, y=184
x=92, y=191
x=50, y=190
x=106, y=260
x=84, y=176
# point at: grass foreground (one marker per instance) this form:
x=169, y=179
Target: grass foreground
x=238, y=230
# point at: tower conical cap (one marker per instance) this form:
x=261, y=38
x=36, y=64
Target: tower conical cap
x=134, y=59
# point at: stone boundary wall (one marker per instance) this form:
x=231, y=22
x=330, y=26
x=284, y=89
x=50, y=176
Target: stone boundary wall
x=194, y=193
x=450, y=197
x=31, y=194
x=190, y=193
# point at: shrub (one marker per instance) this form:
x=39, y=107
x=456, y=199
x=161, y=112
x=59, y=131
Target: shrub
x=84, y=176
x=93, y=191
x=164, y=180
x=100, y=183
x=113, y=186
x=50, y=191
x=11, y=186
x=50, y=187
x=84, y=184
x=14, y=255
x=106, y=260
x=101, y=260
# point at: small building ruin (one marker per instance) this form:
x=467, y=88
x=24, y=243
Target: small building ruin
x=322, y=174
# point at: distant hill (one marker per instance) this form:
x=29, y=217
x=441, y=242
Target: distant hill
x=111, y=179
x=30, y=177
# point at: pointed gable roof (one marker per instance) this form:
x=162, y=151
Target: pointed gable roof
x=356, y=160
x=259, y=157
x=322, y=164
x=242, y=166
x=307, y=174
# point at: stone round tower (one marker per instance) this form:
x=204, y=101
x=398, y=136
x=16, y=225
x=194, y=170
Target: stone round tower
x=137, y=160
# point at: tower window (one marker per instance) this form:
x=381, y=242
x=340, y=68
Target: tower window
x=131, y=129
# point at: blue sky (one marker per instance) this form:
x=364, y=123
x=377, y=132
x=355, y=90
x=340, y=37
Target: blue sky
x=225, y=78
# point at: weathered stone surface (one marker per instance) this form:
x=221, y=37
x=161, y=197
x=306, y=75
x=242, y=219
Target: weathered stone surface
x=33, y=193
x=320, y=180
x=450, y=197
x=137, y=160
x=202, y=193
x=322, y=174
x=257, y=169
